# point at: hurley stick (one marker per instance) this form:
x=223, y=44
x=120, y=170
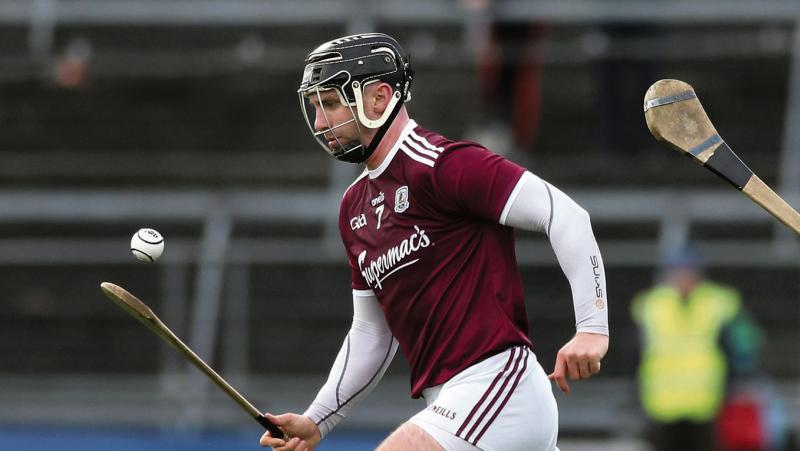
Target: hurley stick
x=676, y=118
x=142, y=312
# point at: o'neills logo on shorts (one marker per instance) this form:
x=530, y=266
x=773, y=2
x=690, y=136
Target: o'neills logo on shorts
x=376, y=271
x=439, y=410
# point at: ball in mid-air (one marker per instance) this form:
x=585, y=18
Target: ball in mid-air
x=147, y=245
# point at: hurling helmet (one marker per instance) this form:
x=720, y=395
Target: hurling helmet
x=347, y=65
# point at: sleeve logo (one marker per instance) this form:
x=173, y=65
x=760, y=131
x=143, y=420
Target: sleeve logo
x=597, y=272
x=401, y=199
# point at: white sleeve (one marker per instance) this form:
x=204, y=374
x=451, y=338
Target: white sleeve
x=539, y=206
x=364, y=357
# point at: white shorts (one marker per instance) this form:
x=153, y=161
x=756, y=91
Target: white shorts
x=503, y=403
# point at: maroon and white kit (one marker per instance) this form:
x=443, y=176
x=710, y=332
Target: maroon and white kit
x=430, y=241
x=425, y=238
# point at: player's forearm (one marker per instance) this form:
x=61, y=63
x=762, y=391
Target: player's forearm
x=579, y=256
x=364, y=357
x=539, y=206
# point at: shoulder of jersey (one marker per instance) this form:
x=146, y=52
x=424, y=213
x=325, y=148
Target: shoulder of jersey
x=363, y=174
x=424, y=147
x=420, y=146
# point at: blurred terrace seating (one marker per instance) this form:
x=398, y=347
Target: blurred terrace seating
x=186, y=119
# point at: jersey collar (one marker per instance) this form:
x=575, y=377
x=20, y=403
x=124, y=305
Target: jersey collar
x=375, y=173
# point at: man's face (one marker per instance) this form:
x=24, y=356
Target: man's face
x=683, y=278
x=334, y=118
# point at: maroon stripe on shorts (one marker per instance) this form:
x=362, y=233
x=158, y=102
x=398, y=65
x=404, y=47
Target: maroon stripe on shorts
x=496, y=396
x=505, y=401
x=486, y=393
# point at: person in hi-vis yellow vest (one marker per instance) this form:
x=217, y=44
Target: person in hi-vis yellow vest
x=683, y=364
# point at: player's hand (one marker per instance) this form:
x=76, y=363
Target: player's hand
x=579, y=358
x=302, y=434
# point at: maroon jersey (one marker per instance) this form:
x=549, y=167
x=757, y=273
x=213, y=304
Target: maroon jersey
x=421, y=231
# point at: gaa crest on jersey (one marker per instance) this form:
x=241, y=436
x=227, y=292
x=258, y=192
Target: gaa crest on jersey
x=401, y=199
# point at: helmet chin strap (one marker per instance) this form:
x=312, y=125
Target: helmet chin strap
x=382, y=123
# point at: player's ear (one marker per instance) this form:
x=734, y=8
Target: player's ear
x=381, y=95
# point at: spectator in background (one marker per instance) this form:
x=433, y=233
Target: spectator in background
x=692, y=340
x=627, y=67
x=752, y=417
x=509, y=72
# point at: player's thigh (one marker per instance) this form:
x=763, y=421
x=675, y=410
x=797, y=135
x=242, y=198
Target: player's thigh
x=409, y=437
x=504, y=403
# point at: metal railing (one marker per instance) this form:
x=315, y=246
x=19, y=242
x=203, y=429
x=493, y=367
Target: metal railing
x=218, y=250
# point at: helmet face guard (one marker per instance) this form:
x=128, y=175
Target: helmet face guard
x=333, y=136
x=346, y=66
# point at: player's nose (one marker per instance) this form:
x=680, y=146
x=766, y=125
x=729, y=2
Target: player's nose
x=320, y=122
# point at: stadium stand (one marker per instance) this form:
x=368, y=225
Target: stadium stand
x=187, y=120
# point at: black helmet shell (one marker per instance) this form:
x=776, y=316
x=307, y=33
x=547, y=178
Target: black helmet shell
x=362, y=58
